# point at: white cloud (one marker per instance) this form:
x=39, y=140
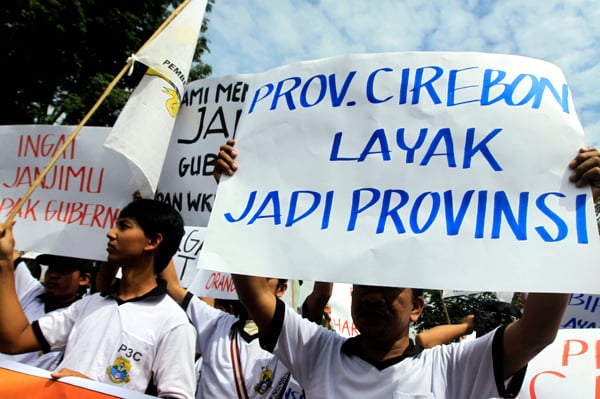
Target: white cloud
x=250, y=37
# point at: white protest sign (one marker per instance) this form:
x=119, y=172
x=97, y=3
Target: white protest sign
x=80, y=197
x=568, y=368
x=583, y=312
x=212, y=284
x=186, y=258
x=341, y=317
x=434, y=170
x=208, y=117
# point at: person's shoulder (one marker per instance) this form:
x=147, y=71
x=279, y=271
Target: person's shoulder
x=198, y=309
x=168, y=309
x=86, y=304
x=468, y=348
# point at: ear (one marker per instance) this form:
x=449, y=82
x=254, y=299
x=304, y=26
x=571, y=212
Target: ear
x=417, y=309
x=153, y=242
x=84, y=279
x=281, y=289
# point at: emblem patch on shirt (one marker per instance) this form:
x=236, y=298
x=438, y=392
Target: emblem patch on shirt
x=119, y=371
x=265, y=381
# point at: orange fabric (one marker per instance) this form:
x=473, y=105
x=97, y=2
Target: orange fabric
x=24, y=386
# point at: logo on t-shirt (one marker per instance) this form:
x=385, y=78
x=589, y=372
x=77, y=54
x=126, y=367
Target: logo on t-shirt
x=119, y=371
x=265, y=381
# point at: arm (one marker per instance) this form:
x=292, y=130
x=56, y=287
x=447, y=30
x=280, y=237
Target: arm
x=226, y=161
x=315, y=302
x=16, y=334
x=440, y=335
x=258, y=300
x=527, y=336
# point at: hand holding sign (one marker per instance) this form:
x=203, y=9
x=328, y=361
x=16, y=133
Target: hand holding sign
x=7, y=241
x=226, y=161
x=586, y=169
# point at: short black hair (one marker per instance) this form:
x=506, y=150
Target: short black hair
x=281, y=282
x=155, y=217
x=417, y=292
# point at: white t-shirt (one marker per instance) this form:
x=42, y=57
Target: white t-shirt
x=29, y=290
x=262, y=374
x=327, y=365
x=129, y=344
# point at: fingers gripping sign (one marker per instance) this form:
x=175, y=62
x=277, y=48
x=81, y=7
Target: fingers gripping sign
x=226, y=161
x=586, y=169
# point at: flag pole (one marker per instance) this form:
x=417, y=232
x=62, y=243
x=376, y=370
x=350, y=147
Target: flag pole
x=445, y=307
x=70, y=139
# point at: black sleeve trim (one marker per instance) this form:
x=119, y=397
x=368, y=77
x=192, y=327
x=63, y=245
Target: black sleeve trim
x=186, y=300
x=515, y=383
x=268, y=342
x=37, y=331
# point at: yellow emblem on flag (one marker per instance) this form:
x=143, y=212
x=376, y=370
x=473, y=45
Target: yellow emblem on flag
x=172, y=103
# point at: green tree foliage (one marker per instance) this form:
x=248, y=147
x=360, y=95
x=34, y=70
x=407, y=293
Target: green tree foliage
x=457, y=307
x=59, y=56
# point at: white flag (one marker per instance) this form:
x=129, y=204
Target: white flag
x=143, y=129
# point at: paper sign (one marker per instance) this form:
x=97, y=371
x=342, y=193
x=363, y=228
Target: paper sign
x=433, y=170
x=79, y=199
x=213, y=284
x=341, y=317
x=566, y=369
x=186, y=258
x=208, y=117
x=583, y=312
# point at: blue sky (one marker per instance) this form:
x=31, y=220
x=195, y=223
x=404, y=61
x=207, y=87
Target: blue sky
x=255, y=36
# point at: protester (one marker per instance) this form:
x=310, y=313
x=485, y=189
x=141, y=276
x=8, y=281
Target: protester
x=233, y=363
x=66, y=280
x=131, y=335
x=382, y=360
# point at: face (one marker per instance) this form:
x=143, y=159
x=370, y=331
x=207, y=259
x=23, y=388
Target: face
x=64, y=285
x=126, y=242
x=384, y=311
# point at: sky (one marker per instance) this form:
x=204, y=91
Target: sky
x=255, y=36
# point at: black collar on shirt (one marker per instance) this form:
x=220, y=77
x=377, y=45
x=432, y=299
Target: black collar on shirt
x=47, y=309
x=239, y=326
x=155, y=293
x=352, y=348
